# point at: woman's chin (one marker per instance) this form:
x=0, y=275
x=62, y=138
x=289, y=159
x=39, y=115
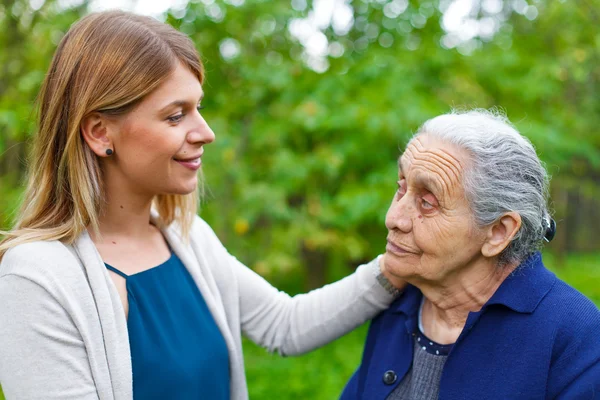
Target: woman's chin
x=183, y=189
x=396, y=265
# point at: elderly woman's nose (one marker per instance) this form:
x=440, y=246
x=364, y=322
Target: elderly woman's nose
x=399, y=215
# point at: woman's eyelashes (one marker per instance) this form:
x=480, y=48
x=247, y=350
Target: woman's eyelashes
x=425, y=200
x=428, y=203
x=425, y=205
x=401, y=191
x=173, y=119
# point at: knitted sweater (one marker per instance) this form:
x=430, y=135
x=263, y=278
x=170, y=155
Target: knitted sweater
x=535, y=338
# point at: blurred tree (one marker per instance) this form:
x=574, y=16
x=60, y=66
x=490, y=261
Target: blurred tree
x=311, y=114
x=29, y=33
x=306, y=160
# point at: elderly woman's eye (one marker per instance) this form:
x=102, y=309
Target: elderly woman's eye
x=425, y=205
x=401, y=190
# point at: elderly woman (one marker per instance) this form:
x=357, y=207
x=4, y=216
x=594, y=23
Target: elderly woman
x=482, y=317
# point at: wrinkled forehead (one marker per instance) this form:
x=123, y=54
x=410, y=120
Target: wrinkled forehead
x=434, y=161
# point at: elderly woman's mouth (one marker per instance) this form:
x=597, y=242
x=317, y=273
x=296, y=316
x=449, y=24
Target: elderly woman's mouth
x=397, y=249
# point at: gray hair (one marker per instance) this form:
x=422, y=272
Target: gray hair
x=504, y=174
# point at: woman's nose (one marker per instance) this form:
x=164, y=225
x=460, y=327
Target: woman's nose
x=201, y=132
x=399, y=214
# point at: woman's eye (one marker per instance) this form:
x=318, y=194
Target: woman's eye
x=175, y=118
x=199, y=107
x=426, y=205
x=401, y=190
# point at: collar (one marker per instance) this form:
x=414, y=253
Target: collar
x=408, y=302
x=521, y=291
x=525, y=287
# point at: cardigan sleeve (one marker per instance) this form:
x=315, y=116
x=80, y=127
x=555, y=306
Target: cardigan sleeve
x=295, y=325
x=42, y=355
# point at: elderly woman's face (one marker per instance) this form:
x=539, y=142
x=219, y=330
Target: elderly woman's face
x=431, y=230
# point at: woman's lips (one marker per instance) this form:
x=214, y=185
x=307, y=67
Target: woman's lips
x=193, y=164
x=395, y=249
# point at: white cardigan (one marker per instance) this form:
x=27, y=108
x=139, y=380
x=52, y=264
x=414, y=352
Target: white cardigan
x=63, y=332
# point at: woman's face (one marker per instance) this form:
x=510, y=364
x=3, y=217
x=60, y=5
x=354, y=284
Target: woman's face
x=159, y=144
x=431, y=230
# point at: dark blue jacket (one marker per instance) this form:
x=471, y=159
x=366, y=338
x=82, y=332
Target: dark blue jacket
x=536, y=338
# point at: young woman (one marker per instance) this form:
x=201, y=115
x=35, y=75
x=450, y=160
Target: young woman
x=110, y=286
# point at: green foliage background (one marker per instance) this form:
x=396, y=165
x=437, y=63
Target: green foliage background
x=304, y=164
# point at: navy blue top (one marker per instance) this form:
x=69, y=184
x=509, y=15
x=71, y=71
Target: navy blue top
x=430, y=346
x=536, y=338
x=177, y=350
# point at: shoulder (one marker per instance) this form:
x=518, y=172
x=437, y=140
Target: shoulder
x=43, y=262
x=200, y=226
x=203, y=235
x=576, y=319
x=572, y=321
x=34, y=254
x=568, y=308
x=567, y=315
x=553, y=306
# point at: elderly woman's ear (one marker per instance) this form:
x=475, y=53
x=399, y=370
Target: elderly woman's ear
x=500, y=234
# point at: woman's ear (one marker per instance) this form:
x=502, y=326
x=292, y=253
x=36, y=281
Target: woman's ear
x=95, y=130
x=500, y=234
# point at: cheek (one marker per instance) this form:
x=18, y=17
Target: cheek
x=145, y=154
x=143, y=136
x=435, y=234
x=150, y=142
x=448, y=238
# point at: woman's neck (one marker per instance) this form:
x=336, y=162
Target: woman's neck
x=126, y=238
x=447, y=306
x=125, y=214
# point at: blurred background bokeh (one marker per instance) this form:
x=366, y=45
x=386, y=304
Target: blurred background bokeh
x=313, y=101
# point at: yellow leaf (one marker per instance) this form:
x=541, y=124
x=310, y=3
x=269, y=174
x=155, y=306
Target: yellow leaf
x=241, y=226
x=228, y=155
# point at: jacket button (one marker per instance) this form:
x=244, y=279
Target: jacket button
x=389, y=377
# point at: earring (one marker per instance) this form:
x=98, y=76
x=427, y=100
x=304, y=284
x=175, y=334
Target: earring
x=109, y=152
x=550, y=230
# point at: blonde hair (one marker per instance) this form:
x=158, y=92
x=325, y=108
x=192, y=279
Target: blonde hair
x=107, y=62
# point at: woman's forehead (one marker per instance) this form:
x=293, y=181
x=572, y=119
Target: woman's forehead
x=426, y=149
x=181, y=85
x=428, y=159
